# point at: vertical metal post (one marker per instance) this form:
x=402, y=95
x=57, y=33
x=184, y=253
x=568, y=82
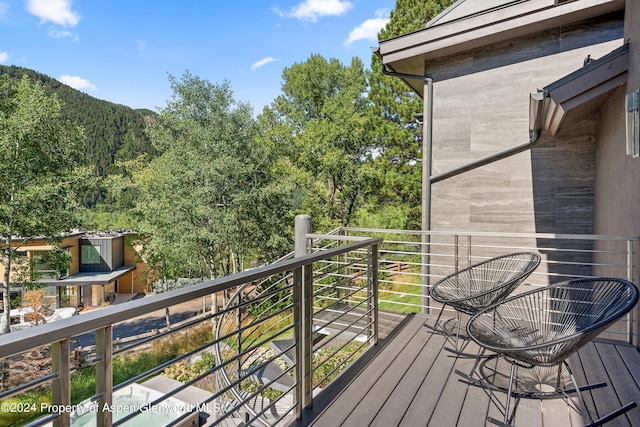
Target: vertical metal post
x=427, y=144
x=302, y=228
x=456, y=252
x=61, y=385
x=372, y=280
x=104, y=376
x=303, y=317
x=631, y=323
x=239, y=328
x=298, y=373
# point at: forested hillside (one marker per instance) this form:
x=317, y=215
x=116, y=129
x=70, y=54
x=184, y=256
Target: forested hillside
x=113, y=132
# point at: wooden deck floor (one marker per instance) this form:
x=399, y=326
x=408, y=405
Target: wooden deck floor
x=409, y=380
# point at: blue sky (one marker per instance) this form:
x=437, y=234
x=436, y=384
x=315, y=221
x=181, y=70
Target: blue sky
x=123, y=50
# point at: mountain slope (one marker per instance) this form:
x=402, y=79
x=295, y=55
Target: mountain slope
x=114, y=132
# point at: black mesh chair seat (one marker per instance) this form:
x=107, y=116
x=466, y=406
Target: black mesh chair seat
x=480, y=285
x=543, y=327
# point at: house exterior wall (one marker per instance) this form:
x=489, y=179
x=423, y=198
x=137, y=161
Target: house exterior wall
x=481, y=106
x=617, y=205
x=117, y=253
x=139, y=280
x=40, y=245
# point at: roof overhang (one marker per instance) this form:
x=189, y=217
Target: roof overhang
x=90, y=278
x=580, y=94
x=408, y=54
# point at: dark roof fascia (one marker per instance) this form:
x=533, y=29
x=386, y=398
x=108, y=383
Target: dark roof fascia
x=588, y=68
x=581, y=93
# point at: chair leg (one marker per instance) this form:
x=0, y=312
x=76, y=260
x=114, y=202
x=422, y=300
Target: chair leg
x=507, y=405
x=435, y=326
x=438, y=327
x=459, y=321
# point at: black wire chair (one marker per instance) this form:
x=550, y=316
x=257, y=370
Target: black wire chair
x=478, y=286
x=543, y=327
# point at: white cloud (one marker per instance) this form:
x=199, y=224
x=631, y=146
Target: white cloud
x=4, y=8
x=77, y=82
x=4, y=57
x=369, y=29
x=311, y=10
x=262, y=62
x=56, y=11
x=60, y=34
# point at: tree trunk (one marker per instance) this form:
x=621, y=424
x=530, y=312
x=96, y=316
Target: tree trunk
x=214, y=311
x=6, y=284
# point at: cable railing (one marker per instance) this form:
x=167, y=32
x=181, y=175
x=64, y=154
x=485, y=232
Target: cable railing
x=285, y=329
x=260, y=324
x=251, y=381
x=405, y=280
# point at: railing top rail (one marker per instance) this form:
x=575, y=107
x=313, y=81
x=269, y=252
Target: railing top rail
x=495, y=234
x=336, y=237
x=23, y=340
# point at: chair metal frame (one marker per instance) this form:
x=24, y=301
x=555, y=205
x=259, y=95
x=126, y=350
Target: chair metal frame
x=543, y=327
x=476, y=287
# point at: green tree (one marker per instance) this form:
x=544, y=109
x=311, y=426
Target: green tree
x=318, y=127
x=113, y=132
x=39, y=176
x=395, y=178
x=208, y=194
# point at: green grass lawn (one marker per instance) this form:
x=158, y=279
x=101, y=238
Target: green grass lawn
x=404, y=297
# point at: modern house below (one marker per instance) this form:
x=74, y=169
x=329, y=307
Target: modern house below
x=99, y=266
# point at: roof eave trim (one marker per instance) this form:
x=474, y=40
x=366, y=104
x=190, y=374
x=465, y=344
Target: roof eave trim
x=524, y=19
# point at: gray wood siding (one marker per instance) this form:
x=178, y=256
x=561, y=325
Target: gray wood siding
x=111, y=254
x=481, y=109
x=117, y=251
x=481, y=106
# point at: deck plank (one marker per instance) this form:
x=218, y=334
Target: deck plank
x=386, y=392
x=476, y=401
x=448, y=412
x=342, y=407
x=622, y=381
x=629, y=356
x=428, y=395
x=604, y=397
x=388, y=415
x=410, y=380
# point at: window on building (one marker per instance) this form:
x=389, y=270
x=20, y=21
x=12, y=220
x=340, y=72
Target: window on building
x=90, y=254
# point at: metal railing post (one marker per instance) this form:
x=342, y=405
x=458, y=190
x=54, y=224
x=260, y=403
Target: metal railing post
x=303, y=315
x=372, y=280
x=61, y=385
x=631, y=323
x=297, y=337
x=104, y=376
x=307, y=335
x=456, y=252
